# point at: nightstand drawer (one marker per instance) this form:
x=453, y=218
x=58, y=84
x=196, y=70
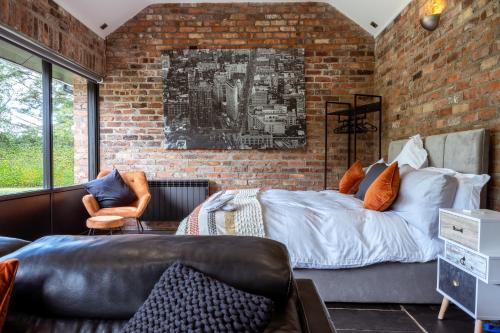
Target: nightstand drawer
x=471, y=262
x=459, y=229
x=458, y=285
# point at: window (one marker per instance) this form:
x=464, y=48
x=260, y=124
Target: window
x=69, y=125
x=31, y=131
x=21, y=143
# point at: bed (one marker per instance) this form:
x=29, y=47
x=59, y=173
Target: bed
x=359, y=255
x=395, y=282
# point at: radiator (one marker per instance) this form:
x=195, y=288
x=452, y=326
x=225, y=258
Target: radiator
x=173, y=200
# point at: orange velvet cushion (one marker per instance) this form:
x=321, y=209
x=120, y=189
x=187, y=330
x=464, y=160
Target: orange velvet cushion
x=384, y=190
x=8, y=269
x=350, y=180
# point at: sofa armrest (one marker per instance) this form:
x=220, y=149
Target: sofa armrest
x=314, y=315
x=90, y=204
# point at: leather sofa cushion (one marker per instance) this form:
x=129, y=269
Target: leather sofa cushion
x=9, y=244
x=109, y=277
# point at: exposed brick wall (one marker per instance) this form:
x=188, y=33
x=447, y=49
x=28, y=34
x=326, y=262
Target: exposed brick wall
x=339, y=62
x=446, y=80
x=49, y=24
x=80, y=130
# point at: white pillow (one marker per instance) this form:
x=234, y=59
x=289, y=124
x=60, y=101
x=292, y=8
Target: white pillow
x=421, y=194
x=469, y=189
x=413, y=153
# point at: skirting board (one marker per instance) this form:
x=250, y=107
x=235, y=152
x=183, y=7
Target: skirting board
x=413, y=283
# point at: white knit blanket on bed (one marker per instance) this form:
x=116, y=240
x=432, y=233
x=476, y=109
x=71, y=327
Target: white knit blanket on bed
x=245, y=220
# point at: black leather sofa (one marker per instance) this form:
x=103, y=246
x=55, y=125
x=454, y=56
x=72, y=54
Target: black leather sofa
x=95, y=284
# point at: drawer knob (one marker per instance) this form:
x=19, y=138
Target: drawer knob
x=455, y=283
x=458, y=229
x=462, y=261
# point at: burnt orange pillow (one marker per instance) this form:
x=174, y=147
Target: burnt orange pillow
x=384, y=190
x=8, y=269
x=352, y=177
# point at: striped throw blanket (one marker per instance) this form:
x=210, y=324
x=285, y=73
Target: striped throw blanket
x=244, y=220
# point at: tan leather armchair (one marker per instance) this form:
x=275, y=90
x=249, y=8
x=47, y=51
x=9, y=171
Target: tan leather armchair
x=138, y=182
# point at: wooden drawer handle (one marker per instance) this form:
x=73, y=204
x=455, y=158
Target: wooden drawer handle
x=455, y=283
x=458, y=229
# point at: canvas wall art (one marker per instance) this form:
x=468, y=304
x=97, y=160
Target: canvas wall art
x=234, y=99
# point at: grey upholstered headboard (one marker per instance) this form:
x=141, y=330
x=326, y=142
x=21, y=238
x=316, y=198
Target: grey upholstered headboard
x=465, y=152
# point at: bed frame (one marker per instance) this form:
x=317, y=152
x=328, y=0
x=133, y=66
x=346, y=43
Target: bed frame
x=394, y=282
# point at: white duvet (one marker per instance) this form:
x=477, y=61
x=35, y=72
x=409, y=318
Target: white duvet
x=331, y=230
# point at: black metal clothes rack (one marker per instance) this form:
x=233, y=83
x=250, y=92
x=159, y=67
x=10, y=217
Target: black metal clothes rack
x=353, y=121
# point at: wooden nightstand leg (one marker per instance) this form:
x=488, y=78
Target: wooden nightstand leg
x=478, y=328
x=444, y=307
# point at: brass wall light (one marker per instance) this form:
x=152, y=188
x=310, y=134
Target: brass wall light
x=431, y=21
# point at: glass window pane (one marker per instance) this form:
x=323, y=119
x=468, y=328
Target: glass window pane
x=21, y=144
x=69, y=121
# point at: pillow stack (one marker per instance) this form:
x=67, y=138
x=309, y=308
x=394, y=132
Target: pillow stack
x=415, y=192
x=469, y=188
x=378, y=189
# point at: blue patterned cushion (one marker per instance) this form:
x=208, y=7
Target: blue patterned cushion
x=185, y=300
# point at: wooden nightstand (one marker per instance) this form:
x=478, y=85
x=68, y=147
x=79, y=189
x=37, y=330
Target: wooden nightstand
x=469, y=269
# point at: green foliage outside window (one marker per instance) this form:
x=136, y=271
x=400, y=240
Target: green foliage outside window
x=21, y=147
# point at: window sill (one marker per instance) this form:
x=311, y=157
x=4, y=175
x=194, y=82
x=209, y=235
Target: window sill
x=19, y=195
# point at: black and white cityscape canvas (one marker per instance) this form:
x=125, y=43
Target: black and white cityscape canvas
x=234, y=99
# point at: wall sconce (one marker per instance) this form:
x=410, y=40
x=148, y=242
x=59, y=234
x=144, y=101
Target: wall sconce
x=431, y=21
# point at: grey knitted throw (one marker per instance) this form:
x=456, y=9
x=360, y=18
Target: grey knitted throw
x=186, y=300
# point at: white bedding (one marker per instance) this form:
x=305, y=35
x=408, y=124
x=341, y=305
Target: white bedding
x=332, y=230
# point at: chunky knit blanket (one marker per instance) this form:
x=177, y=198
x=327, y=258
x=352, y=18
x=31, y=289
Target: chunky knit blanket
x=244, y=220
x=185, y=300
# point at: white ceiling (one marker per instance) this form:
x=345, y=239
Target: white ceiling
x=93, y=13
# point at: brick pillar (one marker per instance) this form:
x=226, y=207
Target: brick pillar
x=80, y=130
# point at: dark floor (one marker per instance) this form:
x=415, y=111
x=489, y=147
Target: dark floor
x=395, y=318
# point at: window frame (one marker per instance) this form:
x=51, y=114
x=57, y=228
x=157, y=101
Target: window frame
x=47, y=127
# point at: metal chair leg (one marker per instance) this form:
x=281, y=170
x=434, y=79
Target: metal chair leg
x=90, y=232
x=140, y=228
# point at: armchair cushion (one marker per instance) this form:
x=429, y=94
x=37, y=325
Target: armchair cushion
x=111, y=191
x=127, y=211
